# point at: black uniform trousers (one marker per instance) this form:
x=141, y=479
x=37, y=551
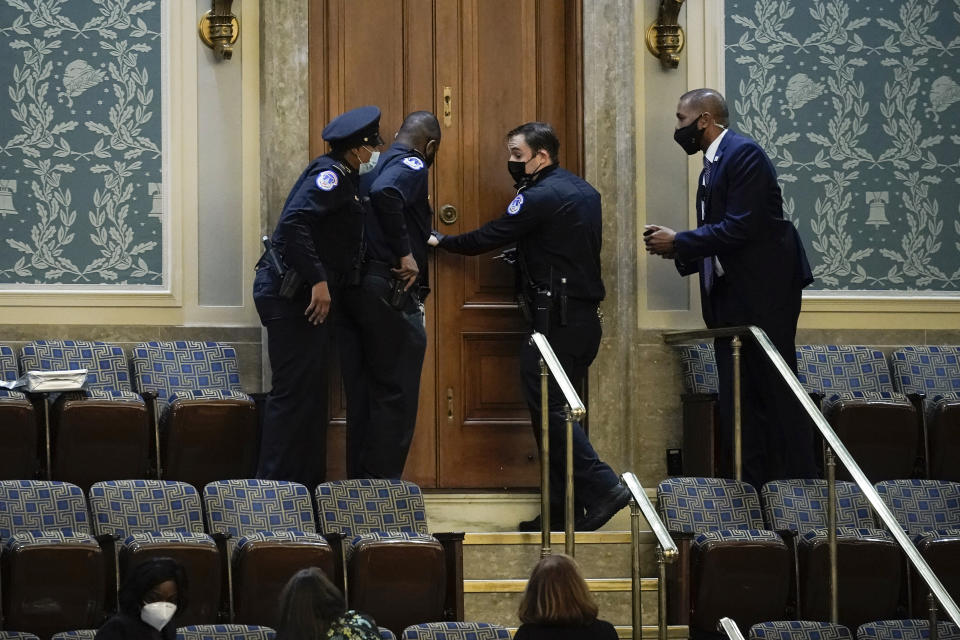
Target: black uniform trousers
x=381, y=358
x=777, y=441
x=576, y=346
x=293, y=444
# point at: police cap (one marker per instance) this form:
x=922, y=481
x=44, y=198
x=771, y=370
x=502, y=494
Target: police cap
x=360, y=126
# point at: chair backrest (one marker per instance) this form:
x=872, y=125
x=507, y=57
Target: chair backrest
x=708, y=504
x=354, y=507
x=17, y=635
x=105, y=363
x=799, y=630
x=456, y=631
x=386, y=634
x=243, y=507
x=929, y=370
x=76, y=634
x=831, y=368
x=922, y=505
x=8, y=363
x=699, y=365
x=225, y=632
x=917, y=629
x=122, y=507
x=32, y=506
x=801, y=505
x=184, y=365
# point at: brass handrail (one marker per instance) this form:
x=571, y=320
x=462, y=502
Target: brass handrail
x=667, y=552
x=839, y=449
x=574, y=410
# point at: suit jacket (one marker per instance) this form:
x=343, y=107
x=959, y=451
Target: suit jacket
x=761, y=254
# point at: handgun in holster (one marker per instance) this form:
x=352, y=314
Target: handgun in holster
x=290, y=281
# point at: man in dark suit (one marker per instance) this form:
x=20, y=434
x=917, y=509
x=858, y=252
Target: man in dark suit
x=752, y=269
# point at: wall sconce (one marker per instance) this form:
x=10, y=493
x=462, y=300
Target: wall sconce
x=665, y=37
x=219, y=29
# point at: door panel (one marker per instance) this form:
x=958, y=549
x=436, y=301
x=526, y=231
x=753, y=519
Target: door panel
x=492, y=64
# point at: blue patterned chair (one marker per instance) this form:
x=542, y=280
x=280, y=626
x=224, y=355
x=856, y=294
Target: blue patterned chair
x=386, y=634
x=729, y=564
x=17, y=635
x=52, y=567
x=225, y=632
x=456, y=631
x=156, y=518
x=207, y=424
x=269, y=534
x=396, y=571
x=18, y=435
x=930, y=376
x=701, y=429
x=863, y=552
x=76, y=634
x=799, y=630
x=877, y=424
x=906, y=630
x=929, y=511
x=103, y=431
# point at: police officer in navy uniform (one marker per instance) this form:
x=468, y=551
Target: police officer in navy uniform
x=381, y=333
x=315, y=254
x=555, y=222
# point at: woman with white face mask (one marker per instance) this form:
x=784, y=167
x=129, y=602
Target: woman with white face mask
x=151, y=594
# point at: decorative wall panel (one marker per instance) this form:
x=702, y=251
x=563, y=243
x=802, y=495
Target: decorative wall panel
x=81, y=197
x=858, y=104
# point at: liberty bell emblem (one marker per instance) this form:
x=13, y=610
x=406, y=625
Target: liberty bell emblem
x=878, y=213
x=7, y=189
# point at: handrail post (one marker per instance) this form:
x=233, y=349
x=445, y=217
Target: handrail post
x=569, y=537
x=544, y=460
x=662, y=593
x=831, y=465
x=635, y=569
x=735, y=343
x=932, y=601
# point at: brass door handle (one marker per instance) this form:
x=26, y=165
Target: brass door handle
x=448, y=214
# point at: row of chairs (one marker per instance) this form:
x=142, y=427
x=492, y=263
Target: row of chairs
x=425, y=631
x=907, y=629
x=173, y=410
x=257, y=533
x=898, y=419
x=756, y=561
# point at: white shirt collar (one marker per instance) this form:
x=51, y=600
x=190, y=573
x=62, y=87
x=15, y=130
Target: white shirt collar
x=712, y=149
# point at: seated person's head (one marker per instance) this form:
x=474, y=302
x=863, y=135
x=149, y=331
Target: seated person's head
x=153, y=591
x=309, y=603
x=557, y=595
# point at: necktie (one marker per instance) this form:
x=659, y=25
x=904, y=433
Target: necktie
x=707, y=261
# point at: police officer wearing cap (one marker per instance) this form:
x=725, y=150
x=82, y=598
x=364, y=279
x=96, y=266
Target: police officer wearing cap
x=313, y=254
x=381, y=333
x=555, y=222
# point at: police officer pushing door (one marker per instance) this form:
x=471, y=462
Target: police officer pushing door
x=314, y=253
x=555, y=221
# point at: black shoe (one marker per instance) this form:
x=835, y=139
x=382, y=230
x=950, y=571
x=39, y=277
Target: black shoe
x=600, y=512
x=534, y=525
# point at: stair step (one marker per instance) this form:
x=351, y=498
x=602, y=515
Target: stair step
x=600, y=554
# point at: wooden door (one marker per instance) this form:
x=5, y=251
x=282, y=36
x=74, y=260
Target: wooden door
x=484, y=66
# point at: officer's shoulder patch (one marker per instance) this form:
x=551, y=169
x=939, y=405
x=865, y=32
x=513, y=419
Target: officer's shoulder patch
x=414, y=163
x=514, y=207
x=327, y=180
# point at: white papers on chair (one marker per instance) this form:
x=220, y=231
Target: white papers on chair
x=40, y=381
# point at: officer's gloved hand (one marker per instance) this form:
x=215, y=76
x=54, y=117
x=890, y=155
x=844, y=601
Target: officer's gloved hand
x=435, y=238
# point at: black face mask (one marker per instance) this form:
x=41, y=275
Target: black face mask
x=518, y=170
x=689, y=137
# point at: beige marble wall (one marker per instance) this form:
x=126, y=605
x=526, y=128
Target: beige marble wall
x=246, y=340
x=284, y=103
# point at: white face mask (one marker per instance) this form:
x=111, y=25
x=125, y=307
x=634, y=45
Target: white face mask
x=367, y=167
x=158, y=614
